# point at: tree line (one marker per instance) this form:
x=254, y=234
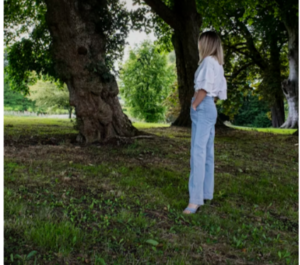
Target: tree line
x=75, y=42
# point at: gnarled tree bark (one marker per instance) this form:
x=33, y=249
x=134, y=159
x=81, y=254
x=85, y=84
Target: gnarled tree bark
x=274, y=81
x=79, y=53
x=290, y=86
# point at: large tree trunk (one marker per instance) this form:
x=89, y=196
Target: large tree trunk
x=185, y=42
x=277, y=113
x=186, y=64
x=70, y=112
x=274, y=81
x=290, y=91
x=79, y=54
x=290, y=86
x=186, y=23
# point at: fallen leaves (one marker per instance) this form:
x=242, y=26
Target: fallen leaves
x=66, y=179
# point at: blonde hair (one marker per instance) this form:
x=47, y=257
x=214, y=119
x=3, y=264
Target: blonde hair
x=209, y=43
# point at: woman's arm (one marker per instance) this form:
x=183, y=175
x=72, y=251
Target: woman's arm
x=201, y=94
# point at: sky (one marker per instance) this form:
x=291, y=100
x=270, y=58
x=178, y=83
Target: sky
x=134, y=36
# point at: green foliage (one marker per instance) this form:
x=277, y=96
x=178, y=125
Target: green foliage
x=20, y=17
x=49, y=96
x=29, y=43
x=114, y=22
x=164, y=34
x=172, y=100
x=255, y=49
x=172, y=104
x=145, y=19
x=244, y=26
x=253, y=113
x=146, y=80
x=15, y=100
x=262, y=121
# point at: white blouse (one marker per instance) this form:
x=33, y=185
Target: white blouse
x=210, y=77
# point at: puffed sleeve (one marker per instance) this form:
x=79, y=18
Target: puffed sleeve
x=204, y=77
x=222, y=94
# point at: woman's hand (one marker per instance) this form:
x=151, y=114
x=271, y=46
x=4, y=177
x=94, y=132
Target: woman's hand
x=200, y=95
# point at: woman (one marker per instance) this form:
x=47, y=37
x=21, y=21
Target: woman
x=210, y=84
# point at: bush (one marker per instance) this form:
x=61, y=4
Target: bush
x=262, y=121
x=146, y=79
x=15, y=100
x=172, y=104
x=253, y=113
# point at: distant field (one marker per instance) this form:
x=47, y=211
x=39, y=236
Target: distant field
x=29, y=122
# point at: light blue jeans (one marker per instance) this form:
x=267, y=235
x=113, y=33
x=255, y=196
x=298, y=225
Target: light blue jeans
x=201, y=181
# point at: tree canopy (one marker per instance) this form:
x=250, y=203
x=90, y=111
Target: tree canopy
x=146, y=79
x=260, y=41
x=49, y=97
x=255, y=35
x=15, y=100
x=29, y=43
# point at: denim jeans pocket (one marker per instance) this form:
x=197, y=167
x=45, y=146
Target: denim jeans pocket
x=192, y=100
x=200, y=106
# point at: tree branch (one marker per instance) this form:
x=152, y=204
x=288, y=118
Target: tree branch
x=163, y=11
x=235, y=49
x=241, y=43
x=256, y=56
x=236, y=73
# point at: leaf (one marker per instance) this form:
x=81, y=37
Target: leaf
x=31, y=254
x=102, y=262
x=152, y=242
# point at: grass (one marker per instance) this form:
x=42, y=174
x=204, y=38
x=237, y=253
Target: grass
x=36, y=126
x=144, y=125
x=266, y=130
x=67, y=203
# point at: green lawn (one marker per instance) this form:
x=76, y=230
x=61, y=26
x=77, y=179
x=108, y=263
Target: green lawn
x=266, y=130
x=29, y=122
x=122, y=203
